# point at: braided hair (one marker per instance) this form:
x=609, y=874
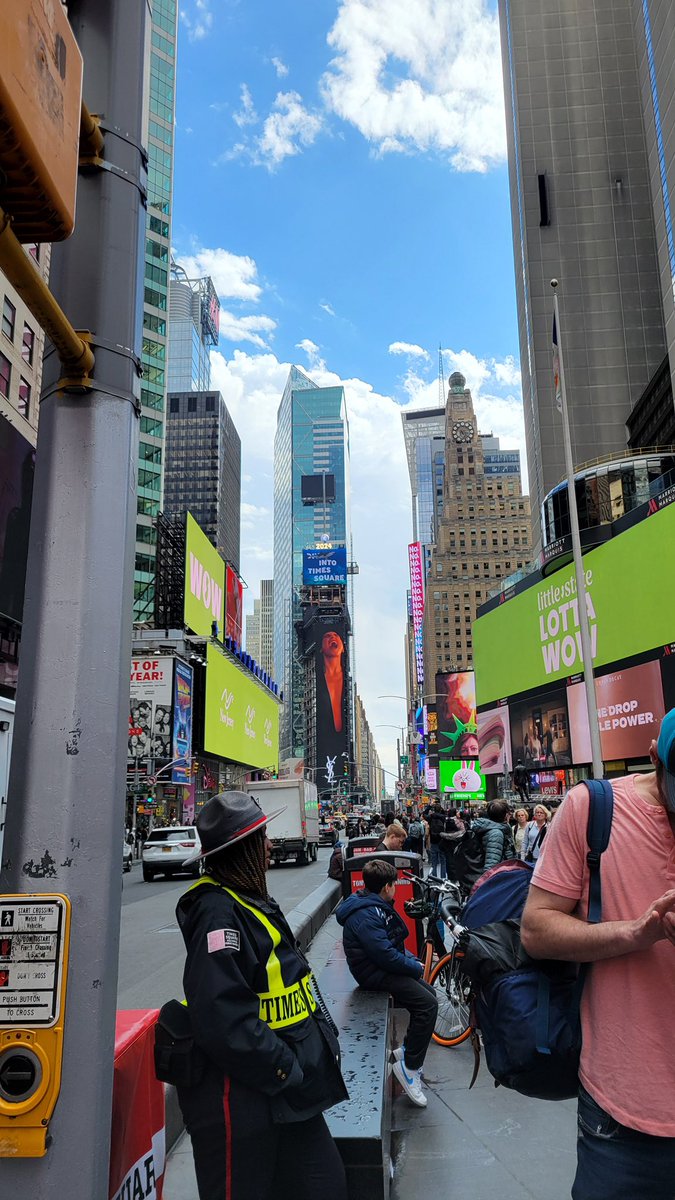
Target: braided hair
x=242, y=866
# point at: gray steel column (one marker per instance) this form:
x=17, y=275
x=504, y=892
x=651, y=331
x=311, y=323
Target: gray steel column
x=65, y=813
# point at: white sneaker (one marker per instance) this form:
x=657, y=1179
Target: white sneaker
x=411, y=1083
x=397, y=1054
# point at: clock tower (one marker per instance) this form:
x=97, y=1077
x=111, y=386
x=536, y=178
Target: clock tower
x=484, y=535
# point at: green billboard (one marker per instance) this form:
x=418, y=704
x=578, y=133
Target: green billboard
x=534, y=639
x=461, y=780
x=241, y=719
x=204, y=582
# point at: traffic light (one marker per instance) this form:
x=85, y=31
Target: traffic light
x=345, y=768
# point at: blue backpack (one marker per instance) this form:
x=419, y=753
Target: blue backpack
x=527, y=1010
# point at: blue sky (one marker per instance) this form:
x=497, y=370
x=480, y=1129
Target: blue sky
x=340, y=172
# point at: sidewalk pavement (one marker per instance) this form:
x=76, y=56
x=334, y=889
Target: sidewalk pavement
x=483, y=1144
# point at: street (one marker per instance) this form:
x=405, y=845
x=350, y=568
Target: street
x=151, y=947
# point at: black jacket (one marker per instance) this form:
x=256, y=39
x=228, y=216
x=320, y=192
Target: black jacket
x=225, y=980
x=374, y=940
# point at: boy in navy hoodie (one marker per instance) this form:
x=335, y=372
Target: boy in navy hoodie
x=374, y=936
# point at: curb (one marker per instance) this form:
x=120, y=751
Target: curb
x=305, y=922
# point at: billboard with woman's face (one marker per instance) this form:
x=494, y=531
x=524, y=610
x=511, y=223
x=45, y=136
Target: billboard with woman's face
x=456, y=707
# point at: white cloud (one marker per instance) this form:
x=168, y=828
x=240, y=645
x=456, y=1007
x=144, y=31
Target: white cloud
x=247, y=114
x=252, y=385
x=311, y=349
x=197, y=19
x=422, y=76
x=507, y=372
x=327, y=308
x=407, y=348
x=251, y=329
x=235, y=276
x=280, y=67
x=288, y=129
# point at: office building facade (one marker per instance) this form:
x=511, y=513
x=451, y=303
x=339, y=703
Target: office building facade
x=194, y=314
x=581, y=175
x=260, y=627
x=311, y=508
x=203, y=468
x=424, y=437
x=484, y=535
x=160, y=144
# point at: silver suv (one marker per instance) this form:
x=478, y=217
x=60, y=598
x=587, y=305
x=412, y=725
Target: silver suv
x=166, y=849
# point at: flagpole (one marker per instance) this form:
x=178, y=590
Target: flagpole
x=584, y=625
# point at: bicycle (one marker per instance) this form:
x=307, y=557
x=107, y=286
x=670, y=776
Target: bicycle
x=439, y=906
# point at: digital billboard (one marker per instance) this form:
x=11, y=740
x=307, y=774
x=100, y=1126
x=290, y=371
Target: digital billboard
x=331, y=673
x=324, y=566
x=150, y=697
x=456, y=707
x=630, y=710
x=533, y=639
x=416, y=564
x=540, y=734
x=17, y=467
x=182, y=723
x=461, y=779
x=204, y=582
x=494, y=740
x=234, y=606
x=241, y=720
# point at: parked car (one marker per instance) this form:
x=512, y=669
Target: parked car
x=165, y=850
x=127, y=857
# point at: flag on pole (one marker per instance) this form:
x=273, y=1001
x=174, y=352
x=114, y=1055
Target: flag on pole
x=556, y=367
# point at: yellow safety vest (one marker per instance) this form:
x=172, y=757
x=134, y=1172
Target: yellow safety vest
x=280, y=1006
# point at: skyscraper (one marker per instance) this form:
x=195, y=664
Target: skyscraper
x=424, y=437
x=160, y=142
x=194, y=312
x=582, y=212
x=260, y=627
x=203, y=468
x=311, y=508
x=484, y=535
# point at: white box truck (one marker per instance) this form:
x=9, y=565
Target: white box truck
x=295, y=833
x=6, y=731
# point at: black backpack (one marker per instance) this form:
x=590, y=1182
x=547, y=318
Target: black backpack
x=527, y=1010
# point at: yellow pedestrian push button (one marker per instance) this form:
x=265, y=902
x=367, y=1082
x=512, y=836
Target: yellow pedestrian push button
x=34, y=942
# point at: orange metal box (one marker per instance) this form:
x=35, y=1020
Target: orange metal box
x=40, y=100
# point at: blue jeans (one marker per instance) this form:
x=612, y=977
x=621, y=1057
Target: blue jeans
x=437, y=861
x=615, y=1162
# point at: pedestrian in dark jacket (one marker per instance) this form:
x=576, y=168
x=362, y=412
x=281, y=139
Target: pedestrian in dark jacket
x=495, y=834
x=268, y=1052
x=374, y=943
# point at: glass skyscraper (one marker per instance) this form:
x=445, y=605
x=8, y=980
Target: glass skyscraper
x=424, y=436
x=194, y=312
x=160, y=142
x=312, y=440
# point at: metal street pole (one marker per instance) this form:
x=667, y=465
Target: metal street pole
x=68, y=784
x=584, y=625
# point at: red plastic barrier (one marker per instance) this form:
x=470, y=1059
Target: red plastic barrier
x=137, y=1149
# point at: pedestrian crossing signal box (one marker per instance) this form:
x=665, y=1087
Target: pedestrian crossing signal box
x=34, y=944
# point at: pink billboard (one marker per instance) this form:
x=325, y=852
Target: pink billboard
x=630, y=711
x=494, y=740
x=417, y=595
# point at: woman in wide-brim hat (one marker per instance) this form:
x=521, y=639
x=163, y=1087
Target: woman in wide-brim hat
x=266, y=1054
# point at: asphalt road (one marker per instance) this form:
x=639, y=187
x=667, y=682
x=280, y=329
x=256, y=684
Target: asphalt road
x=151, y=947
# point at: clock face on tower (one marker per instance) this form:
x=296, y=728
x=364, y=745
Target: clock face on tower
x=462, y=431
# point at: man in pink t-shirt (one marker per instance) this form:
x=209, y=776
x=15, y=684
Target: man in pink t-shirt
x=626, y=1118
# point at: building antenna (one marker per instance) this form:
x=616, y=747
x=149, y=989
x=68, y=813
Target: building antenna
x=441, y=379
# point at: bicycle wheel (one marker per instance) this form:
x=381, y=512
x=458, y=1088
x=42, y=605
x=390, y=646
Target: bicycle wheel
x=453, y=992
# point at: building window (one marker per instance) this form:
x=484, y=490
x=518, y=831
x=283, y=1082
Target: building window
x=192, y=403
x=174, y=404
x=28, y=344
x=5, y=375
x=210, y=404
x=24, y=397
x=8, y=319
